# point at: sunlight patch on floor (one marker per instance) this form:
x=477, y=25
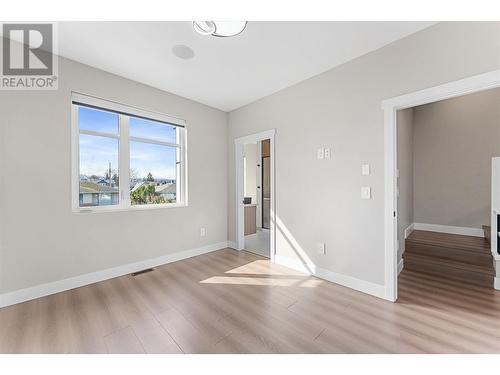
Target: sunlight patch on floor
x=262, y=281
x=257, y=267
x=265, y=267
x=311, y=283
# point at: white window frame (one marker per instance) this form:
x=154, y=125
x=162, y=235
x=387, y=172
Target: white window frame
x=124, y=112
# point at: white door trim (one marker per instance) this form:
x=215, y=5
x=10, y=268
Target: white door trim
x=239, y=144
x=453, y=89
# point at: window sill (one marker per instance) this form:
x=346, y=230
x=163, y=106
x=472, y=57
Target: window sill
x=107, y=209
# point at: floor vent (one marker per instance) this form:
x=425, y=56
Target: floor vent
x=142, y=271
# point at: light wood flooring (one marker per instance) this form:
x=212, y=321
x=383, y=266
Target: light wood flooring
x=236, y=302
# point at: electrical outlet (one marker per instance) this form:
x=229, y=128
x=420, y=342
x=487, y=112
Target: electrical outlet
x=321, y=247
x=203, y=232
x=328, y=153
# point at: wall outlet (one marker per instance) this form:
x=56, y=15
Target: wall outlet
x=321, y=153
x=203, y=232
x=328, y=153
x=321, y=247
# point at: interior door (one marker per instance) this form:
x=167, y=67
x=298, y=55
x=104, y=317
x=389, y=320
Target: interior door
x=266, y=192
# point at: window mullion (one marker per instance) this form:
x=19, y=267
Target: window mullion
x=124, y=168
x=154, y=142
x=99, y=134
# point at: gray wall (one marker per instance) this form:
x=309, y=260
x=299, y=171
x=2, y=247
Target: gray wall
x=454, y=141
x=41, y=239
x=319, y=201
x=405, y=180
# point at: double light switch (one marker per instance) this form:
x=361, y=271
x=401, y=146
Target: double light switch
x=324, y=153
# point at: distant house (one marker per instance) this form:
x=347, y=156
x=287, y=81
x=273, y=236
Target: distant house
x=93, y=194
x=167, y=191
x=103, y=182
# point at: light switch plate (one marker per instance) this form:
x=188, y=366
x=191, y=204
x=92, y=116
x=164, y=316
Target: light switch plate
x=365, y=169
x=203, y=232
x=328, y=153
x=321, y=153
x=366, y=192
x=321, y=248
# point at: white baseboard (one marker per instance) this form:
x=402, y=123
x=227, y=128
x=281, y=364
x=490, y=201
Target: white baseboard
x=402, y=242
x=496, y=284
x=400, y=266
x=408, y=230
x=344, y=280
x=232, y=245
x=22, y=295
x=466, y=231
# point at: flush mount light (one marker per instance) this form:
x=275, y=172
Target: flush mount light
x=204, y=27
x=219, y=28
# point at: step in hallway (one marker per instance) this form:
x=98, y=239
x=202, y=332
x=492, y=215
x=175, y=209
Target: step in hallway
x=455, y=257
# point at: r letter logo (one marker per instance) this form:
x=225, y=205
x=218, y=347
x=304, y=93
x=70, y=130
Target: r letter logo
x=29, y=61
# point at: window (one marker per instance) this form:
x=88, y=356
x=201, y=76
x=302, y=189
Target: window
x=126, y=158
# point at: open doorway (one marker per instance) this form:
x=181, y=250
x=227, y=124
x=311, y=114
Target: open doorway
x=257, y=197
x=445, y=151
x=255, y=193
x=446, y=246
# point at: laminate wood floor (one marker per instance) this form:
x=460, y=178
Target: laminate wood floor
x=236, y=302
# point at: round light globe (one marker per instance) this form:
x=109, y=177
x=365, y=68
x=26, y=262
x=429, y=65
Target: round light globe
x=219, y=28
x=229, y=28
x=204, y=27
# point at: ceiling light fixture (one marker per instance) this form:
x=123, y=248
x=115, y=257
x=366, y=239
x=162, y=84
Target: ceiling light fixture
x=219, y=28
x=204, y=27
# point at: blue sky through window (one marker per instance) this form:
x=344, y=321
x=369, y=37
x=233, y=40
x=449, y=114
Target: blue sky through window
x=98, y=121
x=152, y=130
x=158, y=160
x=97, y=152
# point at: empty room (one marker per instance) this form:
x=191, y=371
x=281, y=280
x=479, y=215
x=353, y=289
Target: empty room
x=249, y=187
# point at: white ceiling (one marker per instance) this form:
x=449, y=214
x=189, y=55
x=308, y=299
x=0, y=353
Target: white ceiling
x=225, y=73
